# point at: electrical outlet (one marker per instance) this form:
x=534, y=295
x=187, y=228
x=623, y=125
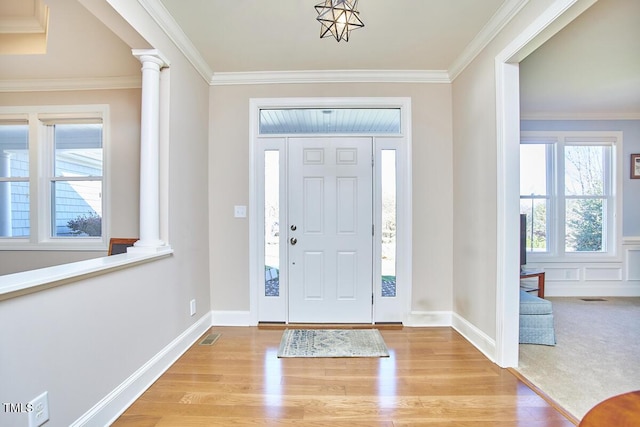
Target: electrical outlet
x=40, y=410
x=192, y=307
x=240, y=211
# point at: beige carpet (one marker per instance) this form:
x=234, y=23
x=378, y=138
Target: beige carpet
x=597, y=353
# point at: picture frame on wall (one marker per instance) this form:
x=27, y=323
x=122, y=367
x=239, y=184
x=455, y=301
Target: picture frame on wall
x=635, y=166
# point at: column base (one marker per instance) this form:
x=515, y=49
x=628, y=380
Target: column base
x=149, y=247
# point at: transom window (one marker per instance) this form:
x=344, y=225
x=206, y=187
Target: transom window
x=568, y=192
x=52, y=178
x=330, y=120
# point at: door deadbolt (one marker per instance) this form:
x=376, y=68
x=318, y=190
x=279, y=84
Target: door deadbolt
x=294, y=228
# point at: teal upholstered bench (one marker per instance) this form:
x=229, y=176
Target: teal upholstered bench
x=536, y=320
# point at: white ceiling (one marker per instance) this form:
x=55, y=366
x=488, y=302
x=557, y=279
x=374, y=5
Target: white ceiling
x=592, y=66
x=279, y=35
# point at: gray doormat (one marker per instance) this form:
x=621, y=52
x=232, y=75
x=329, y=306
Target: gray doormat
x=332, y=343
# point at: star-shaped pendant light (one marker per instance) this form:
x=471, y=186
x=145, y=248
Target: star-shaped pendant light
x=338, y=18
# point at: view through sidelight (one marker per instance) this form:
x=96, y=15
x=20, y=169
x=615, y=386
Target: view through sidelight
x=272, y=223
x=389, y=221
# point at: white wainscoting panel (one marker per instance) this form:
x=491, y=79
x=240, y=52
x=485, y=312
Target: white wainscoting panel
x=603, y=273
x=562, y=273
x=632, y=261
x=620, y=277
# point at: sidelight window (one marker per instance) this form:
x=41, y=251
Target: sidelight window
x=389, y=221
x=272, y=223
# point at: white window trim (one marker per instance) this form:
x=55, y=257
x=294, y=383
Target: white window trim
x=40, y=237
x=556, y=139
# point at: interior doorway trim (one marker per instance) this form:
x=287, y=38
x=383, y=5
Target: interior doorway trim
x=404, y=172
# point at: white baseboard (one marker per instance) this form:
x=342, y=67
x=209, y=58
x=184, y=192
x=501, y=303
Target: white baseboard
x=232, y=318
x=475, y=336
x=428, y=319
x=117, y=401
x=471, y=333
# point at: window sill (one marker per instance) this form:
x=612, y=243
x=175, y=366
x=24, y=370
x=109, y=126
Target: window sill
x=26, y=282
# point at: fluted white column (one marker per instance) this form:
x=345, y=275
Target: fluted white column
x=152, y=63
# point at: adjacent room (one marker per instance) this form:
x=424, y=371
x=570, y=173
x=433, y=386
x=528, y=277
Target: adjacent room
x=588, y=272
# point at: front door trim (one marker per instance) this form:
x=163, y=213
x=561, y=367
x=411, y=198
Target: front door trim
x=385, y=309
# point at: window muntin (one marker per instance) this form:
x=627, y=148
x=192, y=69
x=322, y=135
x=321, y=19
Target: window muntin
x=56, y=184
x=567, y=191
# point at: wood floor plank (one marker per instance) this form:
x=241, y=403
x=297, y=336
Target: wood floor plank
x=433, y=378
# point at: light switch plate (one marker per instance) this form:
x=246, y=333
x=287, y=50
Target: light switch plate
x=39, y=413
x=240, y=211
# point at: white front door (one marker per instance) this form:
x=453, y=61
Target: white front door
x=329, y=234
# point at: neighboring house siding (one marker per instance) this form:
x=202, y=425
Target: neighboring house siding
x=20, y=196
x=70, y=203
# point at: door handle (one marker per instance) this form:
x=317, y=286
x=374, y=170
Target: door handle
x=293, y=240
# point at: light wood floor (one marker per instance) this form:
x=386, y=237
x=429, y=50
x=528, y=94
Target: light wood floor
x=433, y=377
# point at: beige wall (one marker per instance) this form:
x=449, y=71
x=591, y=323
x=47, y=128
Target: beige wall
x=475, y=180
x=123, y=176
x=81, y=340
x=432, y=185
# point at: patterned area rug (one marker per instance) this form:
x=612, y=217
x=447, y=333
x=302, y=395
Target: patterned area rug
x=332, y=343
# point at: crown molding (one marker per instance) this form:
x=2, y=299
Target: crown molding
x=580, y=116
x=171, y=28
x=163, y=18
x=330, y=76
x=498, y=21
x=49, y=85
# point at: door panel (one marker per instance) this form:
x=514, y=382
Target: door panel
x=330, y=230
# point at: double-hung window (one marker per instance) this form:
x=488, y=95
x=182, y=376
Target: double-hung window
x=569, y=192
x=52, y=177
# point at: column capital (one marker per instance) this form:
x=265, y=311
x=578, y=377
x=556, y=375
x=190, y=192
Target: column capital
x=150, y=55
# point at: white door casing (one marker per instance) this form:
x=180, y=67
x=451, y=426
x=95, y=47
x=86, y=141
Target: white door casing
x=265, y=306
x=329, y=231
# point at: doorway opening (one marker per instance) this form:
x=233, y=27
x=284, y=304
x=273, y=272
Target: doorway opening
x=507, y=62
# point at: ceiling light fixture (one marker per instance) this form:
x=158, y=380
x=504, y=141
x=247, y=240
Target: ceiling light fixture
x=338, y=18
